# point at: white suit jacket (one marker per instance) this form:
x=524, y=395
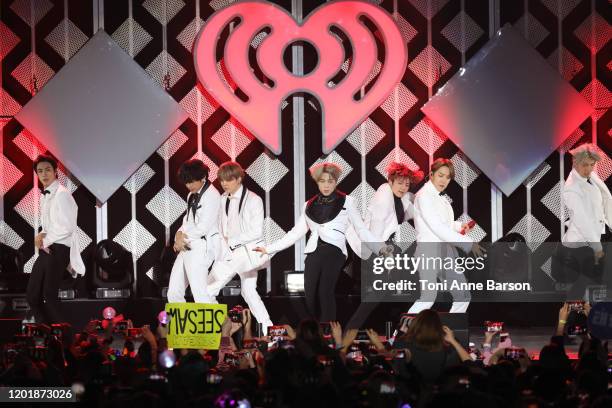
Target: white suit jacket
x=381, y=218
x=61, y=227
x=251, y=218
x=205, y=224
x=434, y=219
x=251, y=223
x=589, y=208
x=332, y=232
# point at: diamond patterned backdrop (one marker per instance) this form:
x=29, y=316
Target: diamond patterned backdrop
x=441, y=36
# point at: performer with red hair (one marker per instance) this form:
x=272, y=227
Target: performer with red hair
x=391, y=206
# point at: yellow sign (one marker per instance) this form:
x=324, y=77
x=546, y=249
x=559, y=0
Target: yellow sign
x=195, y=325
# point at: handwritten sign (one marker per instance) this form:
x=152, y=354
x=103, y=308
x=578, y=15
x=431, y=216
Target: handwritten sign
x=195, y=325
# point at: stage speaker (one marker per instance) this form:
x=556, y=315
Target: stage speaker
x=155, y=284
x=458, y=323
x=8, y=329
x=113, y=270
x=12, y=278
x=14, y=307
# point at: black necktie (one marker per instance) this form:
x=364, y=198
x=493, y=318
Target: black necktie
x=589, y=180
x=227, y=202
x=399, y=209
x=193, y=199
x=45, y=192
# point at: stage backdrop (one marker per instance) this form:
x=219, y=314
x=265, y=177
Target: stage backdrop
x=37, y=37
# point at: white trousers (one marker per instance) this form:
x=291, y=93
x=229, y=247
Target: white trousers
x=461, y=298
x=223, y=272
x=190, y=269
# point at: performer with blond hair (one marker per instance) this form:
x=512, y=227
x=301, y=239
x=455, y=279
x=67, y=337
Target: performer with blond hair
x=327, y=216
x=588, y=206
x=241, y=222
x=588, y=202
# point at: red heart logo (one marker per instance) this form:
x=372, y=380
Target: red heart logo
x=260, y=113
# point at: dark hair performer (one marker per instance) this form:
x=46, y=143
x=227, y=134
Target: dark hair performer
x=57, y=243
x=439, y=235
x=197, y=240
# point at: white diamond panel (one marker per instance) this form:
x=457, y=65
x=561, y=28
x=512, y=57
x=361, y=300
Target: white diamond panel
x=9, y=175
x=266, y=171
x=167, y=206
x=135, y=238
x=9, y=237
x=366, y=136
x=139, y=179
x=532, y=230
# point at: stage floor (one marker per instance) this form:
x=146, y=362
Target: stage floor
x=527, y=329
x=291, y=309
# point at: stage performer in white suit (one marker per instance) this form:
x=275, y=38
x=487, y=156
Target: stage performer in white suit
x=198, y=240
x=241, y=222
x=437, y=235
x=327, y=216
x=589, y=207
x=57, y=243
x=391, y=206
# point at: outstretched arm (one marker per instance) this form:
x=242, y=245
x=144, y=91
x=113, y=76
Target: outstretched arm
x=298, y=231
x=360, y=228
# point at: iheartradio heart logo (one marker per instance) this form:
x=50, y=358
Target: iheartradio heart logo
x=257, y=104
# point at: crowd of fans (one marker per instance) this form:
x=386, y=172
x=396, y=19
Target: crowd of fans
x=109, y=364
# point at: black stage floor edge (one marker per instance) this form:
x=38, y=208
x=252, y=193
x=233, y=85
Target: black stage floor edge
x=291, y=309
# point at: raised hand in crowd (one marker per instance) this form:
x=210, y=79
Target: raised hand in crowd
x=290, y=332
x=235, y=327
x=148, y=335
x=161, y=331
x=405, y=322
x=587, y=308
x=246, y=360
x=336, y=331
x=349, y=337
x=246, y=323
x=489, y=336
x=449, y=337
x=375, y=340
x=563, y=314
